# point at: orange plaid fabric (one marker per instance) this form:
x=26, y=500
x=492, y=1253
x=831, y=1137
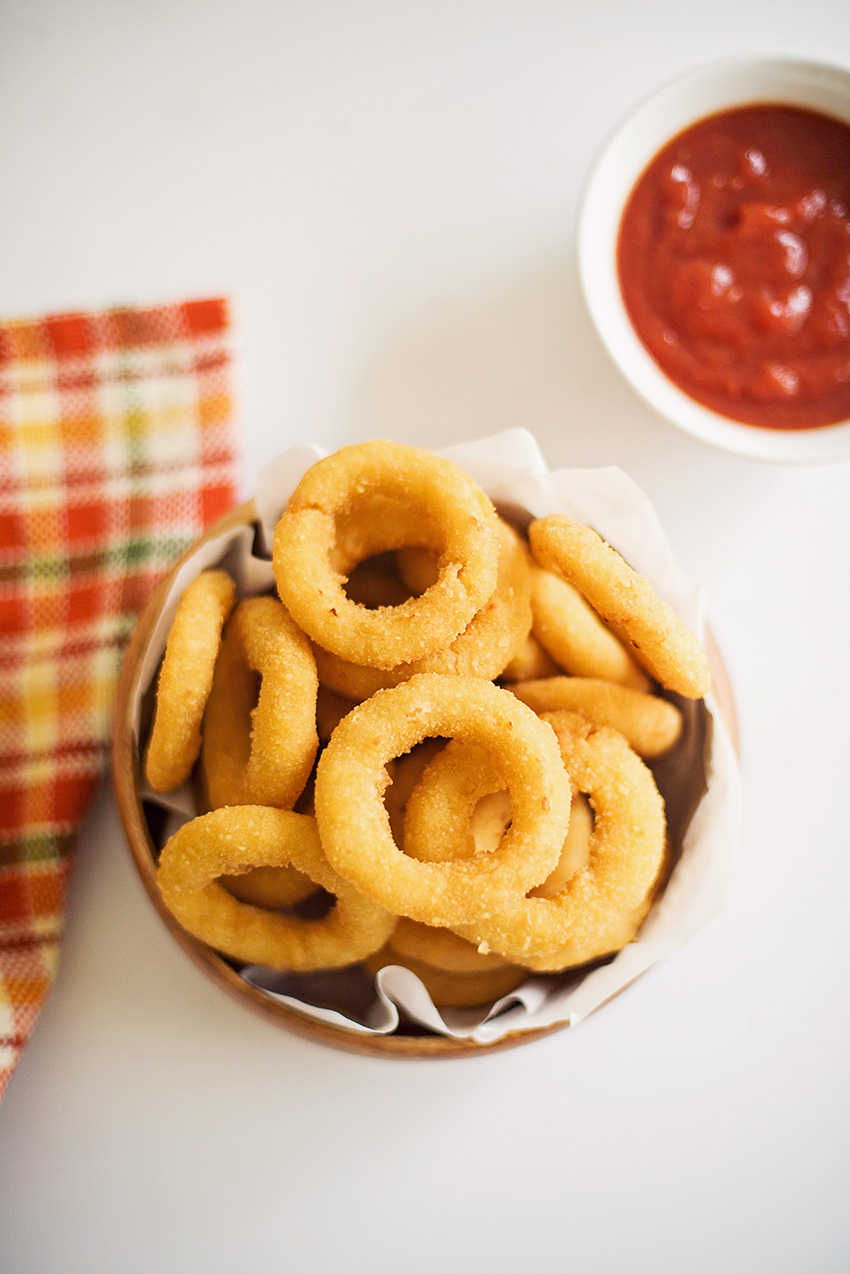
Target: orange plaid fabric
x=116, y=451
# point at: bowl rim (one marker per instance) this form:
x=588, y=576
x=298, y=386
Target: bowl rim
x=654, y=120
x=126, y=774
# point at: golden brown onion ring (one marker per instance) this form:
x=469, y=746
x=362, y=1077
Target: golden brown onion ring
x=227, y=725
x=574, y=635
x=351, y=779
x=659, y=640
x=306, y=537
x=649, y=724
x=626, y=853
x=482, y=649
x=185, y=679
x=261, y=755
x=230, y=841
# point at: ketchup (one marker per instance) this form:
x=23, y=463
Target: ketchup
x=734, y=265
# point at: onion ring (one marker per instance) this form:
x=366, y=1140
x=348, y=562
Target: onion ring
x=305, y=537
x=650, y=725
x=482, y=650
x=233, y=840
x=185, y=679
x=247, y=758
x=455, y=784
x=626, y=853
x=354, y=825
x=570, y=630
x=227, y=734
x=659, y=640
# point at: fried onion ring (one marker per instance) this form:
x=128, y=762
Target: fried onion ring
x=482, y=650
x=249, y=756
x=649, y=724
x=306, y=535
x=354, y=825
x=570, y=630
x=185, y=679
x=626, y=852
x=230, y=841
x=661, y=643
x=227, y=725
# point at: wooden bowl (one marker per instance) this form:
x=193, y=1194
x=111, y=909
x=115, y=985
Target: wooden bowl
x=414, y=1042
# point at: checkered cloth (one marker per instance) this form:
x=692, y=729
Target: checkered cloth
x=116, y=451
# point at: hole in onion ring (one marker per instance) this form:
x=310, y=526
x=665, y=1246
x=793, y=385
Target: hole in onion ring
x=376, y=582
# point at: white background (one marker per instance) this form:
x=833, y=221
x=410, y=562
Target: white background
x=389, y=191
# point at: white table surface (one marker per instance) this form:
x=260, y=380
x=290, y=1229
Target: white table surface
x=388, y=191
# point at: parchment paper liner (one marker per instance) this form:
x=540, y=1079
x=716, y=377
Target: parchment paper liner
x=700, y=781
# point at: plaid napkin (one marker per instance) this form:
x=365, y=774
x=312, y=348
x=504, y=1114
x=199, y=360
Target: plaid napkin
x=116, y=451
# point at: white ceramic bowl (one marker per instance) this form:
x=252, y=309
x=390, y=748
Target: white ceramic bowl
x=705, y=91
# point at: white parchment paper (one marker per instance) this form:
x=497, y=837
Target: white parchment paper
x=511, y=468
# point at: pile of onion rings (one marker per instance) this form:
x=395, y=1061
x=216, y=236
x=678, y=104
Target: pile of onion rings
x=430, y=749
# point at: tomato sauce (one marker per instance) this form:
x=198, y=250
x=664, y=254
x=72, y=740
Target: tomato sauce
x=734, y=265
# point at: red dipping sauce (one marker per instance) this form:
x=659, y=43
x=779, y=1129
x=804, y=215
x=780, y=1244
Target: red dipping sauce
x=734, y=265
